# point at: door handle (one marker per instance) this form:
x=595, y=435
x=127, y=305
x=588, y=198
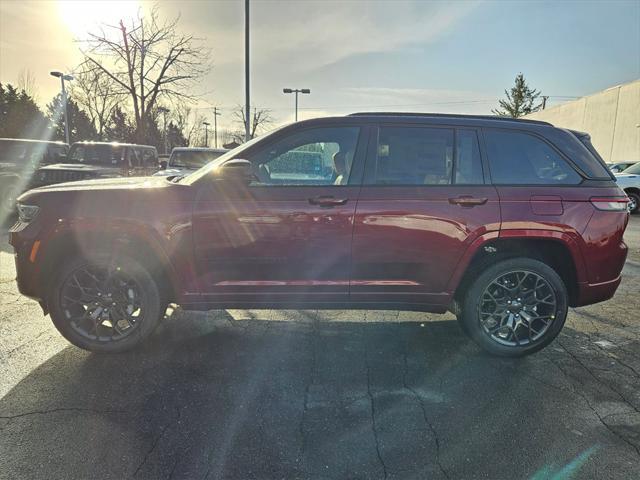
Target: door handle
x=467, y=201
x=327, y=201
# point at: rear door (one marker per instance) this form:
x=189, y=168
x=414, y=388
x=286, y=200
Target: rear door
x=424, y=200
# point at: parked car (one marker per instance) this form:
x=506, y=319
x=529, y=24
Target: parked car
x=504, y=222
x=620, y=167
x=629, y=181
x=185, y=160
x=19, y=158
x=88, y=160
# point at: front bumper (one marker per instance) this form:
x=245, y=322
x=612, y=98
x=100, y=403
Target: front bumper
x=28, y=275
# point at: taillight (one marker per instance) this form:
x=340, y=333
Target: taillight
x=611, y=204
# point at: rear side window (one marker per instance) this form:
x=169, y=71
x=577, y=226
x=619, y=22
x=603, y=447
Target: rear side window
x=414, y=156
x=517, y=158
x=468, y=165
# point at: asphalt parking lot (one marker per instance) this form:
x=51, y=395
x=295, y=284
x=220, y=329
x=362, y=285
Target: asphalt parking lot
x=308, y=394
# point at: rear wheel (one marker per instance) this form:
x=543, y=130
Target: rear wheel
x=634, y=202
x=105, y=304
x=515, y=307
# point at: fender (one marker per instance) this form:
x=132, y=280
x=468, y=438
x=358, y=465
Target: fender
x=86, y=233
x=572, y=242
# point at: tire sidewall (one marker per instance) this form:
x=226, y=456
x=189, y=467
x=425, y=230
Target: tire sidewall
x=152, y=304
x=471, y=319
x=636, y=197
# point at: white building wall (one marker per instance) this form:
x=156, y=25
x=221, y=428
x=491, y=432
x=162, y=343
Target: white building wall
x=611, y=117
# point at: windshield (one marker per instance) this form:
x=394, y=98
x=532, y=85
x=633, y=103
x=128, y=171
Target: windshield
x=192, y=159
x=21, y=152
x=634, y=169
x=97, y=154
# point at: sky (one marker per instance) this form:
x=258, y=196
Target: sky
x=454, y=56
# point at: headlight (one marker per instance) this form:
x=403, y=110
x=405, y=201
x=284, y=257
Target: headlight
x=26, y=213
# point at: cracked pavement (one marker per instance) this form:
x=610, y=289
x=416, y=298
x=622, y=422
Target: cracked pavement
x=321, y=394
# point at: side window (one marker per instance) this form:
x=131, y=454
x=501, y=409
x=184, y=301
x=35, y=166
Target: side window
x=414, y=156
x=134, y=157
x=148, y=157
x=318, y=156
x=523, y=159
x=468, y=164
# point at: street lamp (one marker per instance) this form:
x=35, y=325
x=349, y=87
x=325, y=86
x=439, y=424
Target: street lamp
x=63, y=77
x=164, y=111
x=296, y=91
x=206, y=133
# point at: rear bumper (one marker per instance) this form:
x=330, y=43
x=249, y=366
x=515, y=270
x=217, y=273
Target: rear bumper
x=590, y=293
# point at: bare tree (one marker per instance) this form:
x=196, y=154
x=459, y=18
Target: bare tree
x=147, y=59
x=27, y=82
x=261, y=118
x=97, y=94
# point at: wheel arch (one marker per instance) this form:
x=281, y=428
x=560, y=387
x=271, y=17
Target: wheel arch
x=137, y=243
x=559, y=250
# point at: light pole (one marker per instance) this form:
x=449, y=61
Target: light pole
x=164, y=111
x=206, y=133
x=247, y=100
x=215, y=125
x=63, y=77
x=305, y=91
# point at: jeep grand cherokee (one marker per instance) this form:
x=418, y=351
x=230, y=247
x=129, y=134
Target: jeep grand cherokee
x=505, y=222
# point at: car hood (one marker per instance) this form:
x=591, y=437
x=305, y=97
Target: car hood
x=76, y=167
x=170, y=172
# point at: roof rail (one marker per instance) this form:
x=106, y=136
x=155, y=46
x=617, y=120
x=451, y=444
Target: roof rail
x=448, y=115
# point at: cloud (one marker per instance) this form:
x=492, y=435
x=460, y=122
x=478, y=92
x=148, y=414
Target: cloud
x=314, y=34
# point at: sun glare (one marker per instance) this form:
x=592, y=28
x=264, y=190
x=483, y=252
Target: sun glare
x=85, y=16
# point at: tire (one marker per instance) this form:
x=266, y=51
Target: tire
x=493, y=290
x=634, y=204
x=128, y=288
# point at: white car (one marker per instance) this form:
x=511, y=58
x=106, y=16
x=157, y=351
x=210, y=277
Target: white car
x=620, y=167
x=629, y=181
x=185, y=160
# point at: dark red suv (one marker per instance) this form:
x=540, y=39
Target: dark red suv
x=505, y=222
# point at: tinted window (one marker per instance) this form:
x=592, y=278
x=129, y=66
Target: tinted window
x=520, y=158
x=191, y=159
x=97, y=154
x=149, y=158
x=468, y=165
x=414, y=156
x=319, y=156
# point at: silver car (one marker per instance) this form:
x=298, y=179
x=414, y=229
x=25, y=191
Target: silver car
x=185, y=160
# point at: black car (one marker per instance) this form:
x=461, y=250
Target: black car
x=88, y=160
x=19, y=158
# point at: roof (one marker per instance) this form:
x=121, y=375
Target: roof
x=199, y=149
x=31, y=140
x=447, y=115
x=112, y=144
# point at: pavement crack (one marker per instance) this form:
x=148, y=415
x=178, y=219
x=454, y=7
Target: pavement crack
x=425, y=416
x=312, y=379
x=374, y=427
x=61, y=409
x=156, y=441
x=595, y=412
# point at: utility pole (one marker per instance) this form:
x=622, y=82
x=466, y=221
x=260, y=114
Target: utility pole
x=62, y=78
x=296, y=91
x=215, y=125
x=247, y=99
x=164, y=111
x=544, y=101
x=206, y=133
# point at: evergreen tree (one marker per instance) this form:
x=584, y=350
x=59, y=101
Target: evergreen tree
x=119, y=128
x=80, y=127
x=520, y=101
x=20, y=117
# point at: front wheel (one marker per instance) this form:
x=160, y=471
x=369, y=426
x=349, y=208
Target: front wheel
x=634, y=202
x=105, y=304
x=515, y=307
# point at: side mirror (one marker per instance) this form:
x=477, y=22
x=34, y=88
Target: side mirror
x=163, y=164
x=237, y=170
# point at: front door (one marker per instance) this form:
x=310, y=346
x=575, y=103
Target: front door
x=286, y=236
x=423, y=202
